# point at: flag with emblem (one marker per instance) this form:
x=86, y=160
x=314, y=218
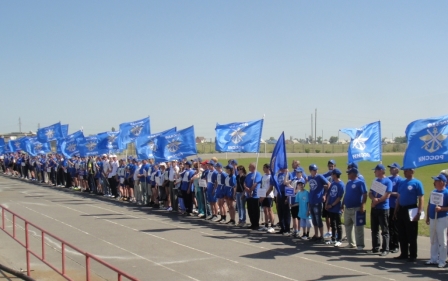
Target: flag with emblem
x=34, y=147
x=15, y=145
x=278, y=160
x=365, y=143
x=90, y=147
x=130, y=131
x=239, y=136
x=175, y=146
x=72, y=144
x=2, y=145
x=50, y=133
x=64, y=129
x=109, y=141
x=146, y=145
x=427, y=142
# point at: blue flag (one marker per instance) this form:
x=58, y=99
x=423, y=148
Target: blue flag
x=109, y=141
x=278, y=160
x=239, y=137
x=33, y=147
x=15, y=145
x=2, y=145
x=427, y=142
x=72, y=144
x=175, y=146
x=50, y=133
x=132, y=130
x=145, y=146
x=90, y=147
x=64, y=129
x=365, y=144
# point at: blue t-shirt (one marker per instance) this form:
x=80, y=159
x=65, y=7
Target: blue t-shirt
x=432, y=207
x=280, y=180
x=186, y=177
x=395, y=182
x=302, y=198
x=383, y=205
x=354, y=190
x=335, y=191
x=293, y=175
x=317, y=188
x=361, y=178
x=221, y=177
x=250, y=181
x=142, y=171
x=230, y=181
x=409, y=191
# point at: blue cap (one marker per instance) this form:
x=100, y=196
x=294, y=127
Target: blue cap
x=218, y=165
x=440, y=177
x=336, y=172
x=211, y=162
x=352, y=165
x=353, y=170
x=234, y=162
x=230, y=167
x=313, y=167
x=394, y=165
x=298, y=170
x=331, y=162
x=188, y=163
x=301, y=180
x=379, y=167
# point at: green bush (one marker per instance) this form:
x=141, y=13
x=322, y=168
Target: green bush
x=327, y=151
x=317, y=150
x=307, y=150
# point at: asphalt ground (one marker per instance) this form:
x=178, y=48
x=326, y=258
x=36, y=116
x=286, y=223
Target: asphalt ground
x=160, y=245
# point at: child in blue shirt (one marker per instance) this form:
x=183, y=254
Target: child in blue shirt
x=302, y=198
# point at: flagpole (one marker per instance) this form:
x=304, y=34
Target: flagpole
x=258, y=151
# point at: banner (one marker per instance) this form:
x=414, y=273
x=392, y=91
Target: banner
x=278, y=160
x=2, y=145
x=109, y=141
x=427, y=142
x=365, y=144
x=15, y=145
x=239, y=137
x=90, y=147
x=132, y=130
x=72, y=144
x=64, y=129
x=145, y=146
x=50, y=133
x=175, y=146
x=33, y=147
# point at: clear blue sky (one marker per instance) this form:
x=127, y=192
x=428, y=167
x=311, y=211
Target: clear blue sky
x=97, y=64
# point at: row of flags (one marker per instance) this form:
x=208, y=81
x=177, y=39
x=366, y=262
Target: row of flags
x=427, y=142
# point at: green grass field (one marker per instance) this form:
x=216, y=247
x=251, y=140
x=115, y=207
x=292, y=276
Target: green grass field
x=424, y=174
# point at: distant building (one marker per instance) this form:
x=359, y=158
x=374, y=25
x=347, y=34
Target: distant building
x=17, y=135
x=200, y=140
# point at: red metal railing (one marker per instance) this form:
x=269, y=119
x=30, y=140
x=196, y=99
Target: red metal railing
x=41, y=257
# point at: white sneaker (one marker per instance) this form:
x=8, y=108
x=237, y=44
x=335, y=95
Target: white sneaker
x=330, y=242
x=337, y=244
x=327, y=235
x=441, y=265
x=263, y=228
x=270, y=230
x=360, y=248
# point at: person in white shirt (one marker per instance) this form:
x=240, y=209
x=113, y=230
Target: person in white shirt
x=266, y=194
x=173, y=174
x=113, y=176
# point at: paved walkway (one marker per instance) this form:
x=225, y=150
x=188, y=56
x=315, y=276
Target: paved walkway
x=157, y=245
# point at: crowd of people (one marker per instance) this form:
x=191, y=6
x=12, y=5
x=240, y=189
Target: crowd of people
x=227, y=193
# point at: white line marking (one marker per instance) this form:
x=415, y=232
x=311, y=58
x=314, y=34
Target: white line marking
x=107, y=242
